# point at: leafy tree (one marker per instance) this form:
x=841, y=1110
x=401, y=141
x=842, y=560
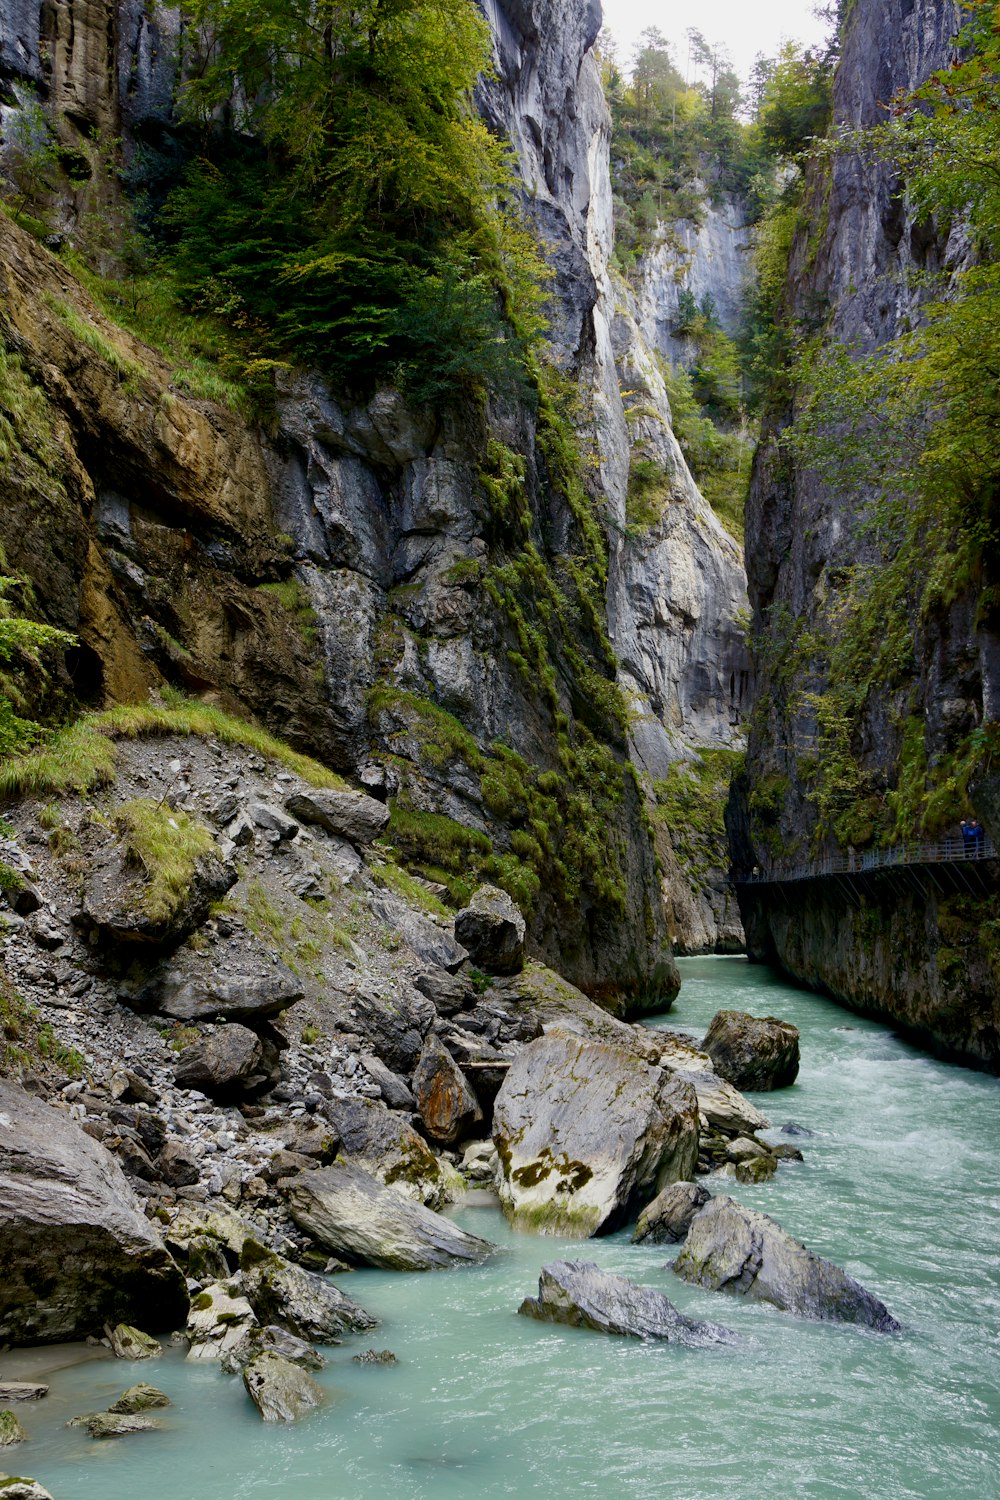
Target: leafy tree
x=26, y=650
x=346, y=186
x=795, y=99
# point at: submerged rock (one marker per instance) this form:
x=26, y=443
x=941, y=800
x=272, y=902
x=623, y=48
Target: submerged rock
x=579, y=1293
x=375, y=1357
x=280, y=1390
x=491, y=929
x=448, y=1108
x=350, y=1212
x=667, y=1219
x=753, y=1052
x=306, y=1304
x=76, y=1249
x=109, y=1424
x=586, y=1132
x=735, y=1249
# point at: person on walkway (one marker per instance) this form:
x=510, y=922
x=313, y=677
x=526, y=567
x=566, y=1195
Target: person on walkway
x=973, y=838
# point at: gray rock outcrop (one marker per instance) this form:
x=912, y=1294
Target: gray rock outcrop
x=348, y=1211
x=306, y=1304
x=114, y=907
x=667, y=1219
x=447, y=1105
x=280, y=1390
x=237, y=980
x=753, y=1052
x=349, y=815
x=492, y=930
x=732, y=1248
x=579, y=1293
x=586, y=1133
x=226, y=1064
x=218, y=1321
x=77, y=1250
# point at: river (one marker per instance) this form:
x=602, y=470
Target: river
x=899, y=1185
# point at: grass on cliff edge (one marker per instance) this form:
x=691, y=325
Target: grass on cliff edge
x=83, y=755
x=167, y=844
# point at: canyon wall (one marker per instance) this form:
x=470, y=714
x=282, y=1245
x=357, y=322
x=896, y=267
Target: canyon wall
x=855, y=275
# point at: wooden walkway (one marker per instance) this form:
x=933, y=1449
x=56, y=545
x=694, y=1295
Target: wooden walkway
x=951, y=857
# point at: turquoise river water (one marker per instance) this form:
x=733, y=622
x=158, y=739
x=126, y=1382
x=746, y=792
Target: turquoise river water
x=899, y=1185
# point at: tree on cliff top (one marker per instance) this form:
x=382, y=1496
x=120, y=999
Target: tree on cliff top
x=348, y=194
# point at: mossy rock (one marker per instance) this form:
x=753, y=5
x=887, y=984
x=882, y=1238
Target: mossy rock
x=11, y=1431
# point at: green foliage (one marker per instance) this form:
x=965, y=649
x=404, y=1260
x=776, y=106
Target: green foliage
x=796, y=100
x=414, y=891
x=166, y=844
x=82, y=756
x=359, y=209
x=691, y=802
x=27, y=650
x=649, y=490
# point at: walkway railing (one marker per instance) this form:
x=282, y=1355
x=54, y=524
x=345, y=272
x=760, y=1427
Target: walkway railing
x=937, y=852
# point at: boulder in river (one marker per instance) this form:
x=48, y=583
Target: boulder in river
x=492, y=930
x=735, y=1249
x=304, y=1303
x=15, y=1488
x=21, y=1390
x=11, y=1431
x=667, y=1219
x=138, y=1398
x=753, y=1052
x=579, y=1293
x=109, y=1424
x=448, y=1108
x=586, y=1133
x=350, y=1212
x=280, y=1390
x=131, y=1343
x=255, y=1340
x=76, y=1249
x=218, y=1319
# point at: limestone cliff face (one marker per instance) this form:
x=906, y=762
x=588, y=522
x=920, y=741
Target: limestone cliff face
x=707, y=258
x=923, y=962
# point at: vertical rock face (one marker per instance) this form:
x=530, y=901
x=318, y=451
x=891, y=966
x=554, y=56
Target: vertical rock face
x=859, y=261
x=707, y=259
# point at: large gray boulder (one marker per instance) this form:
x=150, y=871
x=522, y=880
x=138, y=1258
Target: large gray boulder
x=447, y=1106
x=299, y=1300
x=348, y=1211
x=753, y=1052
x=492, y=930
x=76, y=1250
x=114, y=908
x=388, y=1147
x=280, y=1390
x=236, y=979
x=586, y=1133
x=219, y=1320
x=393, y=1018
x=667, y=1219
x=224, y=1065
x=579, y=1293
x=350, y=815
x=735, y=1249
x=14, y=1488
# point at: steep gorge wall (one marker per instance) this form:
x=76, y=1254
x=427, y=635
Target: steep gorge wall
x=924, y=960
